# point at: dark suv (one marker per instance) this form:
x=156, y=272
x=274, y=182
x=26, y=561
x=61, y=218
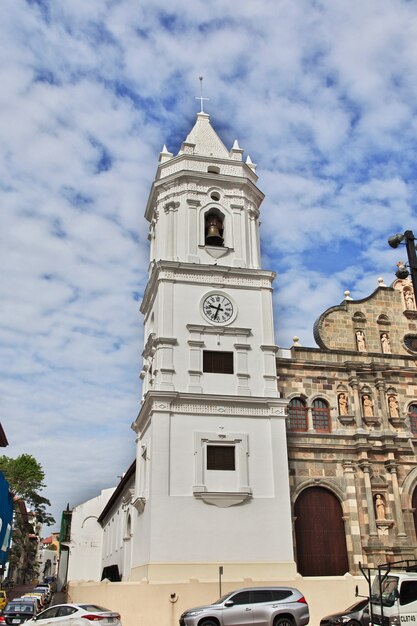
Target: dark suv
x=264, y=606
x=19, y=610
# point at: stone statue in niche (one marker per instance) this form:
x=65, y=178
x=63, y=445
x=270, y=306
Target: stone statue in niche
x=380, y=507
x=368, y=406
x=393, y=406
x=360, y=340
x=409, y=299
x=343, y=404
x=385, y=343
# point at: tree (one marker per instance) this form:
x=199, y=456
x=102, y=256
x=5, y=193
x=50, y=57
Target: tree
x=26, y=478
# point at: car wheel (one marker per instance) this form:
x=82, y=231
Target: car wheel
x=208, y=622
x=283, y=621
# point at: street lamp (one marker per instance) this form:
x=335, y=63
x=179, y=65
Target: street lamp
x=402, y=272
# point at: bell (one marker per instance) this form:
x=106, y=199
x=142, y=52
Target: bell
x=213, y=236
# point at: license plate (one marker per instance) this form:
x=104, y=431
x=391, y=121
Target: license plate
x=15, y=621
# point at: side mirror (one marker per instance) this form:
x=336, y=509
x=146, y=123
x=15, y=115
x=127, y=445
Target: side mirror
x=229, y=603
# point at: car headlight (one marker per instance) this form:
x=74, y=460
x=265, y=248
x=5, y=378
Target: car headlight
x=191, y=613
x=394, y=620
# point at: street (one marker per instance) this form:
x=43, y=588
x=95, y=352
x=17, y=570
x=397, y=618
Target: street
x=19, y=590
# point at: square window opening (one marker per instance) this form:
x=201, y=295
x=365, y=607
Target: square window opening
x=221, y=458
x=217, y=362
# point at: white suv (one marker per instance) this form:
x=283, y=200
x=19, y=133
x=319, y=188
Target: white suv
x=264, y=606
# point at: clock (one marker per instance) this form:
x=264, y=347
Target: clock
x=218, y=308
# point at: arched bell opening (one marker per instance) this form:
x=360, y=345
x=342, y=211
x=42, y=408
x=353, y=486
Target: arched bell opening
x=213, y=228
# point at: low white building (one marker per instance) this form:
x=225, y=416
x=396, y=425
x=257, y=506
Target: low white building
x=48, y=562
x=85, y=554
x=117, y=521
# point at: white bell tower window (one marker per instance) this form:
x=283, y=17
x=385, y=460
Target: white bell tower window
x=221, y=468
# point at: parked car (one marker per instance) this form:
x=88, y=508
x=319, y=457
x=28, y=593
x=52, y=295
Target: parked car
x=18, y=611
x=51, y=581
x=34, y=598
x=45, y=590
x=275, y=606
x=355, y=615
x=76, y=615
x=41, y=594
x=3, y=600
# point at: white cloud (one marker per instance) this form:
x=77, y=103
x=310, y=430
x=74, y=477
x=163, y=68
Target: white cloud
x=322, y=95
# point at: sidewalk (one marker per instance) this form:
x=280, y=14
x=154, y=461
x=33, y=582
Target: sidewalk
x=60, y=597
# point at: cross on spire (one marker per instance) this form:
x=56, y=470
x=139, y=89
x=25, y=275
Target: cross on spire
x=200, y=97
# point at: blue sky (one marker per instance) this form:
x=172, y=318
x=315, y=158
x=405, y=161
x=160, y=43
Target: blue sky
x=322, y=95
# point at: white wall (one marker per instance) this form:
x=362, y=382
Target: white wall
x=44, y=556
x=117, y=532
x=86, y=539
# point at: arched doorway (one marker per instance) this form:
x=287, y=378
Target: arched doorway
x=320, y=534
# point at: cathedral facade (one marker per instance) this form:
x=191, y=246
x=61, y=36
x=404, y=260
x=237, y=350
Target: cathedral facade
x=352, y=428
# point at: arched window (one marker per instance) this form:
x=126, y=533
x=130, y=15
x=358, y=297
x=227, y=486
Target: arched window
x=297, y=415
x=321, y=415
x=320, y=534
x=412, y=412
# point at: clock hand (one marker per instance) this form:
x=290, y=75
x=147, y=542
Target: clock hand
x=218, y=309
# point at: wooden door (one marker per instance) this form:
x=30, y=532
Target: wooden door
x=320, y=534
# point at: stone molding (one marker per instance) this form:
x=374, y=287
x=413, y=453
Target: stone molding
x=222, y=499
x=219, y=330
x=172, y=402
x=139, y=504
x=214, y=275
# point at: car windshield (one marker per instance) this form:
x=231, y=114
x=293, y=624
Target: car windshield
x=24, y=607
x=389, y=591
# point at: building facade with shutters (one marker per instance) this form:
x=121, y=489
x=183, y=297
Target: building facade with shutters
x=351, y=430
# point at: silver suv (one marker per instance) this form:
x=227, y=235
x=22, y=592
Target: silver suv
x=263, y=606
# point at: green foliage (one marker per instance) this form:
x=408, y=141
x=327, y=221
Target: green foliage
x=26, y=478
x=22, y=557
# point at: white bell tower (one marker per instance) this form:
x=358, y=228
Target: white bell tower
x=212, y=475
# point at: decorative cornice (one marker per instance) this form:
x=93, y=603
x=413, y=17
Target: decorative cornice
x=153, y=342
x=213, y=275
x=270, y=348
x=218, y=330
x=183, y=168
x=205, y=404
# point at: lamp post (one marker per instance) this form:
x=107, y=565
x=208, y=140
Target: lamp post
x=402, y=272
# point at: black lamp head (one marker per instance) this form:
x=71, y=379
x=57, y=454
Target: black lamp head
x=395, y=240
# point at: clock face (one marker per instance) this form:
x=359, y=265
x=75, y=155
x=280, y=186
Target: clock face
x=218, y=308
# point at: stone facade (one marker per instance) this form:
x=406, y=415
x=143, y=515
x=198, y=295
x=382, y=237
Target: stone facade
x=351, y=427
